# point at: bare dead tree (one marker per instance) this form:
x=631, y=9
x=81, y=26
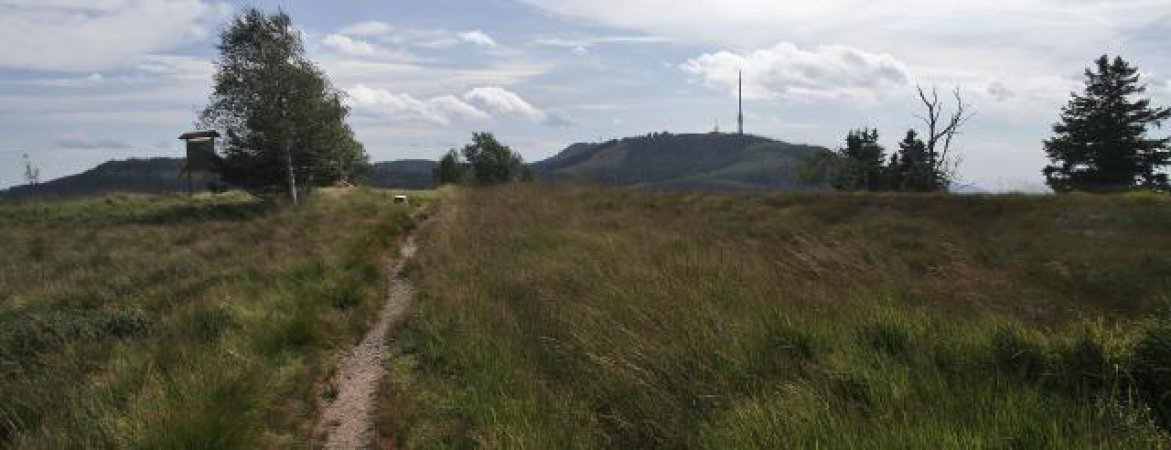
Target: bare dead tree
x=941, y=130
x=32, y=174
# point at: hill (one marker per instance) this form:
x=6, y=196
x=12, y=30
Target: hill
x=685, y=161
x=161, y=175
x=147, y=176
x=402, y=174
x=679, y=161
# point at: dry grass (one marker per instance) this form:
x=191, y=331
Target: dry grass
x=164, y=322
x=586, y=318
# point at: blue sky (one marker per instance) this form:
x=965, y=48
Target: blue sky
x=82, y=82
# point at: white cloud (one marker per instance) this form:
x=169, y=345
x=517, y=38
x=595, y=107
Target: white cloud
x=87, y=81
x=372, y=28
x=503, y=101
x=559, y=119
x=82, y=141
x=476, y=104
x=403, y=38
x=68, y=35
x=478, y=37
x=385, y=105
x=582, y=46
x=755, y=22
x=1028, y=37
x=349, y=46
x=176, y=67
x=786, y=71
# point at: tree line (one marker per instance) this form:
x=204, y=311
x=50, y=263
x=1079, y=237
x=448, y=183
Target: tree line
x=285, y=132
x=284, y=124
x=1100, y=143
x=924, y=161
x=484, y=161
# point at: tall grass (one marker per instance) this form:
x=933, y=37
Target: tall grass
x=168, y=322
x=586, y=318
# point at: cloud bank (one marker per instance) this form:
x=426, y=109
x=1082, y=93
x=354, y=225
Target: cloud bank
x=786, y=71
x=85, y=36
x=477, y=104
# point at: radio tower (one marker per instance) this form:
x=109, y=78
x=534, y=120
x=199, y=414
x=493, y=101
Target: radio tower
x=740, y=95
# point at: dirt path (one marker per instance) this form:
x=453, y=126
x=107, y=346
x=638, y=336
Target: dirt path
x=347, y=422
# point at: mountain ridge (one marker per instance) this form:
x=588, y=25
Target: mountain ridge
x=675, y=161
x=687, y=161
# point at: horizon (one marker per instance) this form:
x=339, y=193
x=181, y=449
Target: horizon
x=543, y=74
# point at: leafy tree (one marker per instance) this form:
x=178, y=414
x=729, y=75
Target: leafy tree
x=1101, y=142
x=860, y=163
x=913, y=168
x=450, y=169
x=283, y=122
x=492, y=162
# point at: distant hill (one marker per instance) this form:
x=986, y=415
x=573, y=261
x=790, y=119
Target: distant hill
x=683, y=161
x=150, y=175
x=678, y=161
x=403, y=174
x=161, y=175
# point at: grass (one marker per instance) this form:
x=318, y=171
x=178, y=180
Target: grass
x=168, y=322
x=593, y=318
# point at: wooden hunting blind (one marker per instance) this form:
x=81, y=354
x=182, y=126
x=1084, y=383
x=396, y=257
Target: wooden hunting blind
x=200, y=154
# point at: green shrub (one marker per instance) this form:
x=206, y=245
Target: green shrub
x=1082, y=365
x=1150, y=365
x=889, y=336
x=1018, y=352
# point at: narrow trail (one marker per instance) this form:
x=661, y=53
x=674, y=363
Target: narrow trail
x=348, y=421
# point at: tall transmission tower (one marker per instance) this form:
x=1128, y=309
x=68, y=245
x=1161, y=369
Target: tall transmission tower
x=740, y=107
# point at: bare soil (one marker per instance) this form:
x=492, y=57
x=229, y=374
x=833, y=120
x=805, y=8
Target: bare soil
x=347, y=422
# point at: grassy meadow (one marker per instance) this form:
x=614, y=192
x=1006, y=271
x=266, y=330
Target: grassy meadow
x=168, y=322
x=598, y=318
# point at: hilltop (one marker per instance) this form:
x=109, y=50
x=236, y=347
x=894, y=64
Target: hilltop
x=686, y=161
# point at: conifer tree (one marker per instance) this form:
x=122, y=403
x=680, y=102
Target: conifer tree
x=860, y=163
x=1101, y=142
x=914, y=167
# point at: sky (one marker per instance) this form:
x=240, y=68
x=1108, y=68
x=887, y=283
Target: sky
x=85, y=81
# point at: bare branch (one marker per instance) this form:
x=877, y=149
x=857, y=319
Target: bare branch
x=942, y=131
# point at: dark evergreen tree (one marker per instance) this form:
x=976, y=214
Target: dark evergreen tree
x=282, y=119
x=492, y=162
x=860, y=163
x=450, y=169
x=913, y=168
x=1101, y=143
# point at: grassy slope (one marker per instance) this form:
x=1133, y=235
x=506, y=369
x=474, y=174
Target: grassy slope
x=688, y=161
x=163, y=322
x=608, y=318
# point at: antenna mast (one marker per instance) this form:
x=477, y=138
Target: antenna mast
x=740, y=96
